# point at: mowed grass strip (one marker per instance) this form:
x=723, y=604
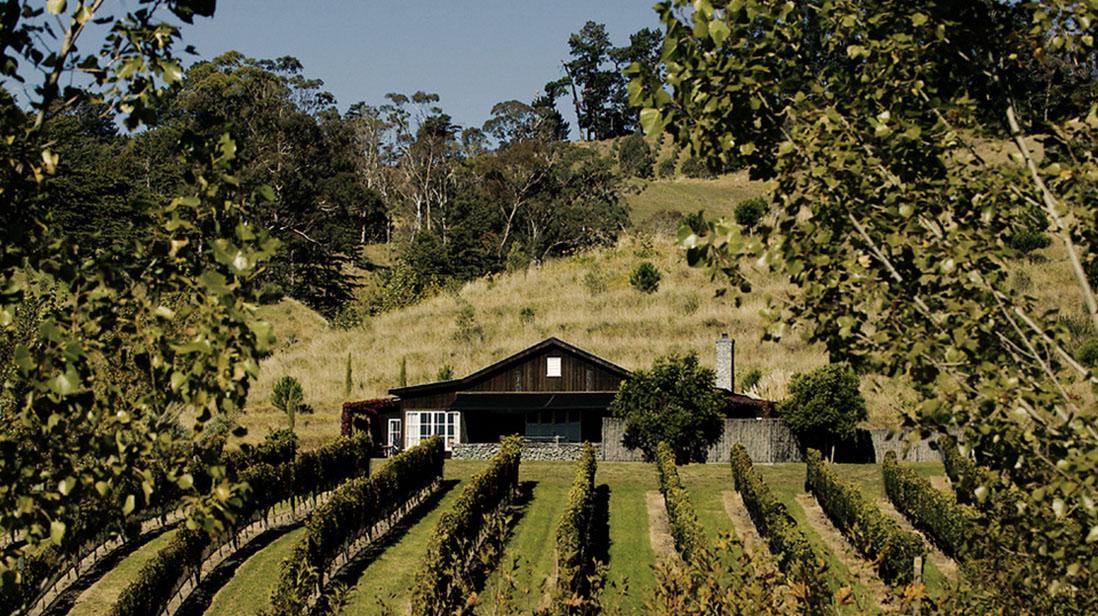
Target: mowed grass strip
x=706, y=484
x=249, y=590
x=630, y=576
x=388, y=580
x=530, y=556
x=100, y=597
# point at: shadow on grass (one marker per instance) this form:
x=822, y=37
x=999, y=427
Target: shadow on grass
x=600, y=525
x=203, y=595
x=67, y=599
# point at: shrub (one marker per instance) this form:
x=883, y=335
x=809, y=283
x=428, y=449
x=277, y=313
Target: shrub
x=950, y=525
x=697, y=169
x=635, y=157
x=681, y=517
x=288, y=396
x=468, y=330
x=749, y=212
x=577, y=569
x=445, y=373
x=594, y=283
x=646, y=278
x=355, y=508
x=824, y=403
x=526, y=315
x=878, y=537
x=674, y=402
x=1088, y=352
x=463, y=545
x=787, y=541
x=750, y=379
x=1031, y=235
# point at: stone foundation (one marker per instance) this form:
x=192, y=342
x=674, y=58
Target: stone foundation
x=530, y=451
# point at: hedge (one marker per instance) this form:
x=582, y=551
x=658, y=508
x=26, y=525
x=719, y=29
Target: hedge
x=576, y=565
x=962, y=471
x=875, y=535
x=685, y=528
x=456, y=552
x=796, y=556
x=937, y=513
x=156, y=582
x=96, y=520
x=355, y=508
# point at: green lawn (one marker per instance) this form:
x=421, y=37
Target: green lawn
x=101, y=596
x=249, y=590
x=526, y=572
x=630, y=573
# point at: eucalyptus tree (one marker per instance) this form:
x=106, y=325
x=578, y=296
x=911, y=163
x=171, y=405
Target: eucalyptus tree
x=890, y=222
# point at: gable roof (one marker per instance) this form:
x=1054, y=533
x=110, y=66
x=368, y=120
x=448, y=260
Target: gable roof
x=549, y=343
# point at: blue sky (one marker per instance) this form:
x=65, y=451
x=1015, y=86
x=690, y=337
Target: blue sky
x=473, y=53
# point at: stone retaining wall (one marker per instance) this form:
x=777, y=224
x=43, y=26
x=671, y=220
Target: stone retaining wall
x=530, y=451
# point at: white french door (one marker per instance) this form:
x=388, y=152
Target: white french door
x=425, y=424
x=394, y=433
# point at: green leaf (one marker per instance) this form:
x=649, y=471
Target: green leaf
x=57, y=531
x=56, y=7
x=651, y=121
x=918, y=19
x=127, y=507
x=719, y=31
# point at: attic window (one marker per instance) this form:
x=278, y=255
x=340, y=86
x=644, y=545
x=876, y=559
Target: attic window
x=552, y=366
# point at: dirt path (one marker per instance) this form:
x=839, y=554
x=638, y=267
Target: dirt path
x=659, y=529
x=945, y=564
x=753, y=543
x=833, y=539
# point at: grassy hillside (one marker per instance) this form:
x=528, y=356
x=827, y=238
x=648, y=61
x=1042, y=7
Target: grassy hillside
x=585, y=300
x=655, y=203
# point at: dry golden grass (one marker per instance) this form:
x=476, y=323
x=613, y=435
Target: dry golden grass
x=718, y=197
x=585, y=300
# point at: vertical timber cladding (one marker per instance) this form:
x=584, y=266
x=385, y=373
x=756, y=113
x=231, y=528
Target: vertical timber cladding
x=530, y=374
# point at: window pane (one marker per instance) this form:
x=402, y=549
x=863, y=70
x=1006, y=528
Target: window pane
x=552, y=366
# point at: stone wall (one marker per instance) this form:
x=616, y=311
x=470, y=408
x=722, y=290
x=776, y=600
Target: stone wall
x=530, y=451
x=768, y=441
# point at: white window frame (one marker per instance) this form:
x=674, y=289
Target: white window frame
x=396, y=434
x=552, y=367
x=425, y=424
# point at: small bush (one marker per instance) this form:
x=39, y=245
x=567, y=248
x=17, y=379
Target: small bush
x=1031, y=235
x=468, y=330
x=635, y=157
x=446, y=372
x=749, y=212
x=697, y=169
x=526, y=315
x=750, y=379
x=646, y=278
x=1088, y=352
x=288, y=397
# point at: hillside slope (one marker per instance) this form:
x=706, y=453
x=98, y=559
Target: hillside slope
x=585, y=300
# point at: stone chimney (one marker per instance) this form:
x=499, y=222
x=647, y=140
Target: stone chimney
x=726, y=362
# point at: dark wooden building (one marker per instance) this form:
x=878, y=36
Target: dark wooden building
x=550, y=391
